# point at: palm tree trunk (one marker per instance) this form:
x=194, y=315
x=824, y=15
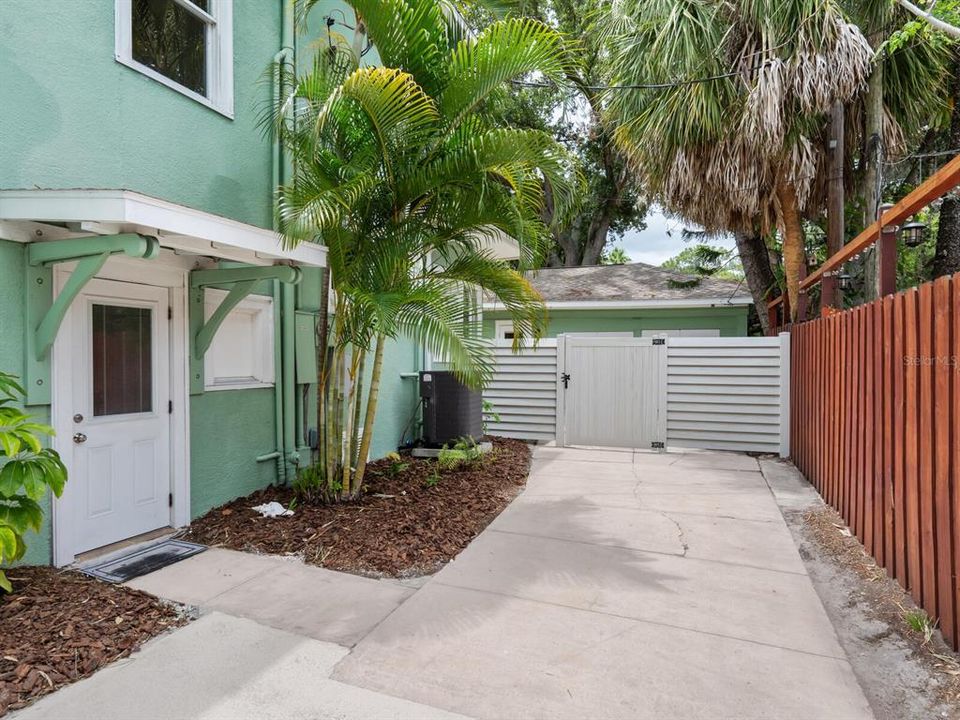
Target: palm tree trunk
x=356, y=402
x=873, y=107
x=755, y=259
x=794, y=255
x=364, y=450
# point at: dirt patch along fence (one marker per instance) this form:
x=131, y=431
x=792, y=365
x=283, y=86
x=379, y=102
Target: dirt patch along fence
x=875, y=426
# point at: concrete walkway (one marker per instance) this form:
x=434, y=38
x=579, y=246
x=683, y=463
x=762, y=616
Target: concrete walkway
x=618, y=585
x=621, y=585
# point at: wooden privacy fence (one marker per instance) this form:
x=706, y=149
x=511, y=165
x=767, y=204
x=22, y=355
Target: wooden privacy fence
x=875, y=426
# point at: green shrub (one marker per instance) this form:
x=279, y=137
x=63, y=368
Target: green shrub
x=397, y=465
x=464, y=452
x=27, y=471
x=308, y=484
x=490, y=415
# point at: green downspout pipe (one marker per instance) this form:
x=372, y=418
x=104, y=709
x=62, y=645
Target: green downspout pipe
x=278, y=455
x=283, y=351
x=289, y=375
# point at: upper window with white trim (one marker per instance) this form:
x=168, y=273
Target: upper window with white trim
x=185, y=44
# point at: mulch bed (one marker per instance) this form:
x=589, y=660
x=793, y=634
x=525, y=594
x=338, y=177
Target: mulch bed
x=400, y=527
x=58, y=627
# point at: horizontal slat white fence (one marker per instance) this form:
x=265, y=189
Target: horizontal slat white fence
x=721, y=394
x=728, y=393
x=523, y=392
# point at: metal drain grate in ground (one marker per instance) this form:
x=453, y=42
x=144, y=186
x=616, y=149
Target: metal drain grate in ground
x=143, y=561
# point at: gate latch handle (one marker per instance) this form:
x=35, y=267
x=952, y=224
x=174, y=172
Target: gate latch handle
x=566, y=380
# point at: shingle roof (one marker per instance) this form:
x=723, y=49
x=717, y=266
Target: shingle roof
x=635, y=281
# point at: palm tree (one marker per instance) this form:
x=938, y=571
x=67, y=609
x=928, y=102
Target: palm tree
x=401, y=173
x=741, y=151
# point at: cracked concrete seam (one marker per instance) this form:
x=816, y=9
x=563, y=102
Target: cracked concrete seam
x=681, y=536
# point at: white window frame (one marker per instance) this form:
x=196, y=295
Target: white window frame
x=501, y=328
x=261, y=308
x=219, y=52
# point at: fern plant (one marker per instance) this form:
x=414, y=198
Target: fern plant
x=27, y=472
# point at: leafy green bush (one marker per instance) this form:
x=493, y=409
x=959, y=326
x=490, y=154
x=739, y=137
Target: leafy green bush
x=490, y=415
x=27, y=470
x=464, y=452
x=397, y=465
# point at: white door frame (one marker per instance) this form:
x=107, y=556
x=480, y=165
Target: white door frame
x=166, y=271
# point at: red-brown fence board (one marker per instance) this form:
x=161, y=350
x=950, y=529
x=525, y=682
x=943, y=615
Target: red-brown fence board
x=875, y=426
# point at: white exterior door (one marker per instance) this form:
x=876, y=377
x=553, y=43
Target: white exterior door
x=119, y=484
x=614, y=392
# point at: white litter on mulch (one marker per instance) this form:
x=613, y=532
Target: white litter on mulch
x=272, y=510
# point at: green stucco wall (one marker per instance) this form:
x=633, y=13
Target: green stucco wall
x=730, y=321
x=11, y=361
x=228, y=430
x=399, y=397
x=74, y=117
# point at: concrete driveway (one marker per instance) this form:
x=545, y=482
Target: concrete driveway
x=618, y=585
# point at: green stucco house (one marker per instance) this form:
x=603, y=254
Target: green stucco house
x=635, y=299
x=145, y=300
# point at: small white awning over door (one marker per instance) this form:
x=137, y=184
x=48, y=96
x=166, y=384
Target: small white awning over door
x=31, y=215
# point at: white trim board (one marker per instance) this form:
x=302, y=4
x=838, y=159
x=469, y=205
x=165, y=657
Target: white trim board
x=176, y=226
x=735, y=301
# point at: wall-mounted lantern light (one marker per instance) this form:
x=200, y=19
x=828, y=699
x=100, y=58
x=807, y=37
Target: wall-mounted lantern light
x=913, y=233
x=844, y=281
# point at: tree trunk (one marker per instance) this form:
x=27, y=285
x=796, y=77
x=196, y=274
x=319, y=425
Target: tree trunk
x=364, y=452
x=794, y=255
x=354, y=402
x=354, y=446
x=755, y=259
x=873, y=157
x=946, y=261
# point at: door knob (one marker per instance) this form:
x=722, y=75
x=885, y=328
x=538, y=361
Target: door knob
x=79, y=438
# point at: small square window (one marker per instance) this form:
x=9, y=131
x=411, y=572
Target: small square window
x=184, y=44
x=242, y=352
x=503, y=330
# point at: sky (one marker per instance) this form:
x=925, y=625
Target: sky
x=661, y=240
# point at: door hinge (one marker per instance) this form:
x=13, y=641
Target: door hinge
x=170, y=407
x=170, y=500
x=659, y=341
x=566, y=380
x=657, y=445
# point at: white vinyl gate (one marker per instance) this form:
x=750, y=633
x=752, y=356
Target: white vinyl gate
x=611, y=391
x=697, y=392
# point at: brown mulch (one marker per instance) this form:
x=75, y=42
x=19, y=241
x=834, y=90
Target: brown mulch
x=400, y=527
x=58, y=627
